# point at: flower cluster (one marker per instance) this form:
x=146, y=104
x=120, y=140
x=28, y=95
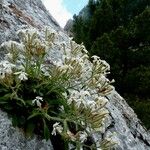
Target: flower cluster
x=5, y=68
x=64, y=96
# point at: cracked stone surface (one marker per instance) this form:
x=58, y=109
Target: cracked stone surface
x=129, y=131
x=14, y=14
x=13, y=139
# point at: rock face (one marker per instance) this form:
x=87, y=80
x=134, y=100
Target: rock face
x=16, y=14
x=68, y=27
x=129, y=133
x=84, y=13
x=12, y=139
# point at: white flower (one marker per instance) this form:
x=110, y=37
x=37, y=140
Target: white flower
x=31, y=31
x=84, y=93
x=79, y=98
x=22, y=75
x=57, y=63
x=61, y=108
x=79, y=102
x=101, y=101
x=91, y=104
x=74, y=93
x=45, y=71
x=37, y=101
x=5, y=68
x=57, y=128
x=8, y=44
x=65, y=68
x=2, y=75
x=73, y=96
x=84, y=57
x=50, y=29
x=105, y=64
x=70, y=38
x=70, y=100
x=8, y=56
x=71, y=135
x=83, y=136
x=95, y=58
x=63, y=43
x=65, y=95
x=80, y=148
x=84, y=50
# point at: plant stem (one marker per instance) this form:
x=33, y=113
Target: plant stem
x=78, y=145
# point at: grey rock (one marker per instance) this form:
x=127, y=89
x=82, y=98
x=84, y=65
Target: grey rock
x=16, y=14
x=68, y=27
x=84, y=13
x=13, y=139
x=129, y=131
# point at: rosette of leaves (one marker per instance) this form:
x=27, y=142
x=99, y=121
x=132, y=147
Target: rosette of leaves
x=63, y=98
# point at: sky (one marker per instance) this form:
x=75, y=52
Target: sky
x=62, y=10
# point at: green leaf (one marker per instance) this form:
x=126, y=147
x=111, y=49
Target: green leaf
x=2, y=90
x=3, y=102
x=15, y=121
x=20, y=100
x=18, y=120
x=29, y=102
x=34, y=115
x=8, y=107
x=30, y=129
x=46, y=131
x=6, y=97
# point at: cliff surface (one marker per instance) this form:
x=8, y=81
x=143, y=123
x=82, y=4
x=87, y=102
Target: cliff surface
x=17, y=14
x=129, y=133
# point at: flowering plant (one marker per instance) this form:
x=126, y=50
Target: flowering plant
x=50, y=96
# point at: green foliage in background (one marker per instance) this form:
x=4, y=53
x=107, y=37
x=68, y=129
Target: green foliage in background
x=141, y=107
x=119, y=32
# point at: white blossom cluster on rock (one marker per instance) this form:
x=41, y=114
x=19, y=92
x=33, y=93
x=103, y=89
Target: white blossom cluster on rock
x=68, y=93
